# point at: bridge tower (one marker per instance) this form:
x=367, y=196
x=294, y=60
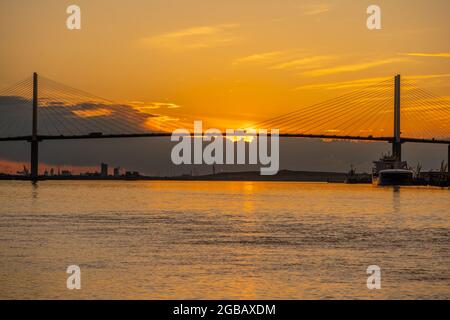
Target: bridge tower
x=34, y=135
x=397, y=143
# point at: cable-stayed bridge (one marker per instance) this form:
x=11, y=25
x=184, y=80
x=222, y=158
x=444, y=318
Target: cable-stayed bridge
x=392, y=110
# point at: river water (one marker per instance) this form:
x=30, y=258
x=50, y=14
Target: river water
x=222, y=240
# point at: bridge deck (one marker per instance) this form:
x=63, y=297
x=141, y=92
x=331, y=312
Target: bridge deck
x=168, y=134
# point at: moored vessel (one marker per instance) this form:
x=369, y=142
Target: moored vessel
x=389, y=171
x=395, y=177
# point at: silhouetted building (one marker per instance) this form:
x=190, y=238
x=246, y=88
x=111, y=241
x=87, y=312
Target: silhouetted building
x=116, y=172
x=66, y=173
x=104, y=170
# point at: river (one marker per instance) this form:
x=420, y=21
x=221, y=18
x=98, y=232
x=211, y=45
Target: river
x=222, y=240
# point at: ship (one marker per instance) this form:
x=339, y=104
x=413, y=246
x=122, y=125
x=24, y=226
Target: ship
x=389, y=171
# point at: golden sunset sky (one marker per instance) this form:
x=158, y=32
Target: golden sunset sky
x=230, y=62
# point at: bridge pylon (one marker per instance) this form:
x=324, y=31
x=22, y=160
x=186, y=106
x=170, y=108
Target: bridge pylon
x=34, y=134
x=397, y=143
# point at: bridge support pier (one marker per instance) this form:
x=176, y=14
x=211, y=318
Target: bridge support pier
x=34, y=161
x=397, y=150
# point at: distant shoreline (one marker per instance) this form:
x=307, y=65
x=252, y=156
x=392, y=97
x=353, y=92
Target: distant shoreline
x=249, y=176
x=285, y=175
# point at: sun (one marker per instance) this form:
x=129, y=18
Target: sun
x=246, y=135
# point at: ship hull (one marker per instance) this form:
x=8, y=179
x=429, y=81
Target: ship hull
x=394, y=178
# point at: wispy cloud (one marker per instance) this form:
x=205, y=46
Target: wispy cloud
x=195, y=37
x=365, y=82
x=343, y=84
x=285, y=60
x=315, y=9
x=91, y=113
x=428, y=76
x=352, y=67
x=265, y=57
x=430, y=55
x=146, y=107
x=307, y=62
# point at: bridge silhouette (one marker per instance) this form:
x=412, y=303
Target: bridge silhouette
x=392, y=110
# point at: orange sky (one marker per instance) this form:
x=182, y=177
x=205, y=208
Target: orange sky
x=227, y=62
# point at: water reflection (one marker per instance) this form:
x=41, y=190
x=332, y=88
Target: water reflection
x=222, y=240
x=34, y=190
x=396, y=199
